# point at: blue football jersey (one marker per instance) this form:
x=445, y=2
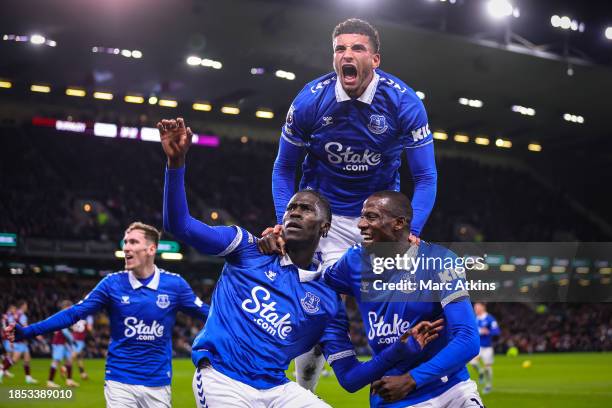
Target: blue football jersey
x=388, y=314
x=486, y=321
x=141, y=318
x=354, y=146
x=265, y=312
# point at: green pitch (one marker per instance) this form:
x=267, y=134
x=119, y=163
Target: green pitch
x=552, y=380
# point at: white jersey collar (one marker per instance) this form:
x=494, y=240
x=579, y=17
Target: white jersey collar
x=366, y=97
x=305, y=274
x=153, y=284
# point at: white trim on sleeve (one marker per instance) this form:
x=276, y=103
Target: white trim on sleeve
x=234, y=244
x=340, y=355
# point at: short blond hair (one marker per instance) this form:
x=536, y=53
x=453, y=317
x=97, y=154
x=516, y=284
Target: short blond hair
x=150, y=232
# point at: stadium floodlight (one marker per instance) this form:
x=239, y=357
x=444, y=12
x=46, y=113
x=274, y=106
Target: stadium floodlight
x=126, y=53
x=257, y=71
x=168, y=103
x=264, y=114
x=136, y=54
x=505, y=144
x=569, y=117
x=483, y=141
x=37, y=39
x=499, y=9
x=193, y=60
x=6, y=84
x=473, y=103
x=133, y=99
x=200, y=106
x=40, y=88
x=608, y=33
x=523, y=110
x=76, y=92
x=461, y=138
x=420, y=94
x=152, y=100
x=230, y=110
x=106, y=96
x=440, y=135
x=119, y=254
x=244, y=139
x=285, y=74
x=534, y=147
x=567, y=23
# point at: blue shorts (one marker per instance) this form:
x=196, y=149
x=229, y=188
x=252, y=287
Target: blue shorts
x=8, y=347
x=79, y=345
x=21, y=347
x=61, y=351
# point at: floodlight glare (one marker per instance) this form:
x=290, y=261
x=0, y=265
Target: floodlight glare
x=37, y=39
x=499, y=8
x=608, y=33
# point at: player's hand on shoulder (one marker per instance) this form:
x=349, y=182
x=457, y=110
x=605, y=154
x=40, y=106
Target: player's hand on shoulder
x=272, y=241
x=394, y=388
x=414, y=239
x=175, y=139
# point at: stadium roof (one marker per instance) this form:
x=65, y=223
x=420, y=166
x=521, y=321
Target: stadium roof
x=467, y=60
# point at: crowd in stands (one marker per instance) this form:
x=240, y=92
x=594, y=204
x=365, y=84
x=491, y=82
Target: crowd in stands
x=532, y=328
x=553, y=327
x=47, y=176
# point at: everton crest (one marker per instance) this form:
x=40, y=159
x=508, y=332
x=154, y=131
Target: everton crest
x=310, y=303
x=378, y=124
x=163, y=301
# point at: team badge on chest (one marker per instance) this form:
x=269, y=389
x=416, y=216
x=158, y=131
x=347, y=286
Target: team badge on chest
x=163, y=301
x=378, y=124
x=310, y=303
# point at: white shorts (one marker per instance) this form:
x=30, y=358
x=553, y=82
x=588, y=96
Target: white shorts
x=342, y=235
x=486, y=354
x=462, y=395
x=215, y=390
x=120, y=395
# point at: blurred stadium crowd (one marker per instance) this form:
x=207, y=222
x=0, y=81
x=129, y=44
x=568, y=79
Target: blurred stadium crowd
x=531, y=328
x=94, y=187
x=122, y=180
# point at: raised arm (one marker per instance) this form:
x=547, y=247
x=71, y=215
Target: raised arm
x=283, y=175
x=176, y=140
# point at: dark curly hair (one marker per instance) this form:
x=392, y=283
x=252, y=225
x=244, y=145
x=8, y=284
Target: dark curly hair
x=358, y=26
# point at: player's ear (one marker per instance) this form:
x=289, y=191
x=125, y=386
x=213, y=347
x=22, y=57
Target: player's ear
x=400, y=223
x=376, y=60
x=325, y=229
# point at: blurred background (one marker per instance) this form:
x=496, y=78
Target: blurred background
x=517, y=93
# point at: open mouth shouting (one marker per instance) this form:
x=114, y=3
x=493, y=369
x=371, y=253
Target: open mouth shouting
x=349, y=74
